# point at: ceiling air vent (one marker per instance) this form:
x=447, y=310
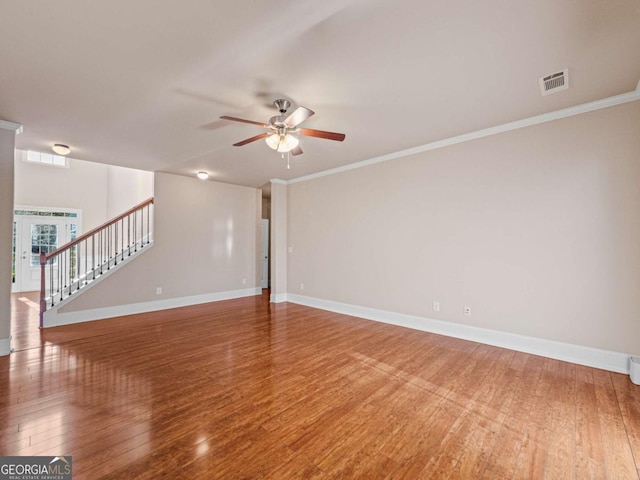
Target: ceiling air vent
x=555, y=82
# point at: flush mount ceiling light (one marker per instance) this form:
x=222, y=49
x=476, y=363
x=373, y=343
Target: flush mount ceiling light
x=203, y=175
x=61, y=149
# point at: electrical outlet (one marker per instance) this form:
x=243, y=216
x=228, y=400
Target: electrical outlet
x=436, y=306
x=158, y=290
x=467, y=311
x=302, y=286
x=244, y=281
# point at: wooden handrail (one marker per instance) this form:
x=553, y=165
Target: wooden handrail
x=71, y=275
x=86, y=235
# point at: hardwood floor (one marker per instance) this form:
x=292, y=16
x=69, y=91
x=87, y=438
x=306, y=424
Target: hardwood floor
x=25, y=309
x=245, y=389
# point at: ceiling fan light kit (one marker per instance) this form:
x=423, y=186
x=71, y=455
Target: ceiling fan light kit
x=282, y=143
x=281, y=128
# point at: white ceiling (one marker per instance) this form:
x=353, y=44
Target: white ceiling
x=142, y=83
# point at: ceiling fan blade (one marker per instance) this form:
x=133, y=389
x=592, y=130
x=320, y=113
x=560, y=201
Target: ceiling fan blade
x=297, y=151
x=234, y=119
x=309, y=132
x=252, y=139
x=298, y=116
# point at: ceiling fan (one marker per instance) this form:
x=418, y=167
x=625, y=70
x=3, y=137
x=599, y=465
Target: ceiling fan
x=279, y=137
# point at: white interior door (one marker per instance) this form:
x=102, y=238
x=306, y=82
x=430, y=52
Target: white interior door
x=265, y=254
x=35, y=234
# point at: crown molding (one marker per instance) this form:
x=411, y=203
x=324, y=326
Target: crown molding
x=279, y=181
x=16, y=127
x=486, y=132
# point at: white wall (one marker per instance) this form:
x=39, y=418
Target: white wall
x=100, y=191
x=537, y=230
x=82, y=186
x=205, y=243
x=126, y=188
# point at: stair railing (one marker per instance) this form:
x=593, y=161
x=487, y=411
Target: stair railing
x=76, y=264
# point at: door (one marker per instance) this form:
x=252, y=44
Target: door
x=265, y=254
x=32, y=235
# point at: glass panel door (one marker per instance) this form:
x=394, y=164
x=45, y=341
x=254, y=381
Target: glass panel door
x=36, y=231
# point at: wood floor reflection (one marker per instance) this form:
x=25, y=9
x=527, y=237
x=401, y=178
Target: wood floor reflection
x=246, y=389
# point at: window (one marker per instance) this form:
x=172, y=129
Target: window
x=44, y=239
x=46, y=159
x=46, y=213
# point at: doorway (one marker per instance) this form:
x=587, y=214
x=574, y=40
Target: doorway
x=37, y=230
x=265, y=254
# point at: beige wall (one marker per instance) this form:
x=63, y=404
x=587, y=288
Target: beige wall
x=205, y=242
x=537, y=230
x=7, y=145
x=278, y=242
x=100, y=191
x=266, y=208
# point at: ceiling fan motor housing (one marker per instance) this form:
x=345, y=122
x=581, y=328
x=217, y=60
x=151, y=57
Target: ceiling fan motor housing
x=277, y=121
x=282, y=105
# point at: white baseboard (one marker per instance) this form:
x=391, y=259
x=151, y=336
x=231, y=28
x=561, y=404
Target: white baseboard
x=591, y=357
x=581, y=355
x=53, y=318
x=278, y=297
x=5, y=346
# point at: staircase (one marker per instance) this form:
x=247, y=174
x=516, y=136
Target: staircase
x=74, y=266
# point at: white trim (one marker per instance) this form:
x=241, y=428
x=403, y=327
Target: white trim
x=279, y=181
x=5, y=346
x=581, y=355
x=19, y=218
x=77, y=211
x=77, y=220
x=16, y=127
x=278, y=297
x=486, y=132
x=56, y=319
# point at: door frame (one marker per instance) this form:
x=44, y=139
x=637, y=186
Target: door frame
x=21, y=212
